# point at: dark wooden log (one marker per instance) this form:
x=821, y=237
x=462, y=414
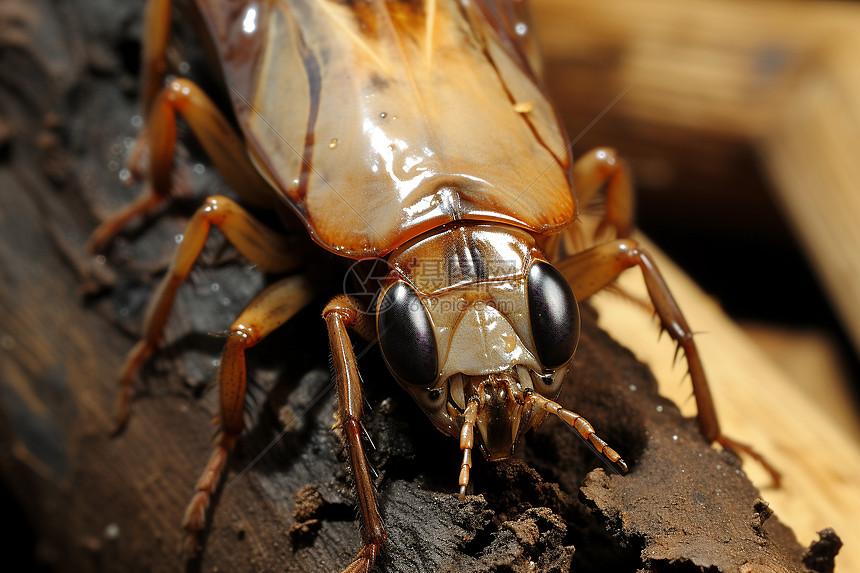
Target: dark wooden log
x=101, y=503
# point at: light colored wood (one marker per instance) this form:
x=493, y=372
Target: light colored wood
x=714, y=65
x=809, y=359
x=777, y=75
x=812, y=154
x=756, y=404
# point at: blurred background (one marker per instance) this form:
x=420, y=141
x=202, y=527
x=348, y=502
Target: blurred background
x=741, y=125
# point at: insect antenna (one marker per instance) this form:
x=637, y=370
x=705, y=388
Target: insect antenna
x=583, y=429
x=467, y=442
x=619, y=467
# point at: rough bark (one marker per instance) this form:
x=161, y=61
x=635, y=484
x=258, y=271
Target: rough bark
x=96, y=503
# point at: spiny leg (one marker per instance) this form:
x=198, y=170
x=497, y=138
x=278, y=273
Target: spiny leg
x=341, y=313
x=270, y=251
x=269, y=310
x=467, y=442
x=215, y=133
x=593, y=269
x=582, y=427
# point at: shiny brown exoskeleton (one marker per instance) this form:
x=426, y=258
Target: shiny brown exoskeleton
x=415, y=131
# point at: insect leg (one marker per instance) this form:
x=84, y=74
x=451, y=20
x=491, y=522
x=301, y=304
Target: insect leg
x=215, y=133
x=269, y=310
x=341, y=313
x=270, y=251
x=593, y=269
x=156, y=35
x=599, y=167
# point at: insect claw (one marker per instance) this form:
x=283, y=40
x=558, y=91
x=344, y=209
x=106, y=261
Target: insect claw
x=738, y=447
x=462, y=496
x=191, y=543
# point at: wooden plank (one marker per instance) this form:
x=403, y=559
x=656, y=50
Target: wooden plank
x=810, y=359
x=811, y=154
x=713, y=65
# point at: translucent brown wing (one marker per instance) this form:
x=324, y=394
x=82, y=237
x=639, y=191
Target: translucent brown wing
x=380, y=120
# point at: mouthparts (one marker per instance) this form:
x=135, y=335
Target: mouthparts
x=501, y=398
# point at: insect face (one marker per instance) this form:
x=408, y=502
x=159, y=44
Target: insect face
x=475, y=314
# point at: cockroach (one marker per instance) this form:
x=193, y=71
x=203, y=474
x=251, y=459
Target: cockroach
x=417, y=132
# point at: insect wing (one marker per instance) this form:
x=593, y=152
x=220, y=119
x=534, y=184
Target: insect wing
x=379, y=120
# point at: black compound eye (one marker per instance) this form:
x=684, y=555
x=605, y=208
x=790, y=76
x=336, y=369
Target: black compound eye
x=553, y=313
x=406, y=336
